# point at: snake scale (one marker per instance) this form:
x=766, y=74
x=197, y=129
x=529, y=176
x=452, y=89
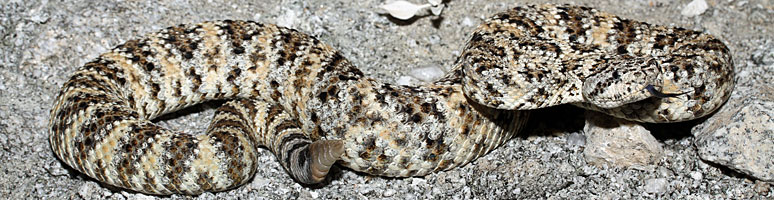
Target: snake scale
x=302, y=100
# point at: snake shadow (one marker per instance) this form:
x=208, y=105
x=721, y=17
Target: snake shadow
x=565, y=119
x=214, y=104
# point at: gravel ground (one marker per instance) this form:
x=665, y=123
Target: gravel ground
x=44, y=41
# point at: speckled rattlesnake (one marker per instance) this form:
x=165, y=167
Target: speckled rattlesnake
x=306, y=103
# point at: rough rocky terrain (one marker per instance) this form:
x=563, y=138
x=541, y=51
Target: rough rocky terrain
x=725, y=156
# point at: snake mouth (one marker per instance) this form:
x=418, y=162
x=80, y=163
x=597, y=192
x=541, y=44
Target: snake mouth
x=656, y=93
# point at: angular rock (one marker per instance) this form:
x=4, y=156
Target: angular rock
x=743, y=139
x=740, y=135
x=617, y=142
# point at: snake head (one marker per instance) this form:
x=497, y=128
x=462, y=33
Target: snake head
x=623, y=81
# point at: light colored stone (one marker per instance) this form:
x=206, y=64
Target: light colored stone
x=427, y=74
x=696, y=175
x=740, y=135
x=743, y=141
x=403, y=9
x=576, y=139
x=656, y=185
x=406, y=80
x=617, y=142
x=696, y=7
x=288, y=19
x=388, y=192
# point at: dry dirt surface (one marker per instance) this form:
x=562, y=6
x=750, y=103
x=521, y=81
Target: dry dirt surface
x=42, y=42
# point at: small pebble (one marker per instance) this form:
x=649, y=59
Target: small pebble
x=576, y=139
x=406, y=80
x=388, y=192
x=696, y=175
x=427, y=74
x=696, y=7
x=656, y=186
x=762, y=187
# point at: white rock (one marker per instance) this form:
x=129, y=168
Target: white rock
x=436, y=10
x=403, y=9
x=418, y=181
x=388, y=192
x=741, y=138
x=140, y=196
x=696, y=7
x=617, y=142
x=467, y=22
x=407, y=80
x=427, y=74
x=696, y=175
x=576, y=139
x=656, y=186
x=288, y=19
x=86, y=191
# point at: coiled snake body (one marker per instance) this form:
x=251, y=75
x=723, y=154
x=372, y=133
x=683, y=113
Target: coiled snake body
x=302, y=100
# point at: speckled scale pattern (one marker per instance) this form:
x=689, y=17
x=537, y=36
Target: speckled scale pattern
x=540, y=56
x=287, y=90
